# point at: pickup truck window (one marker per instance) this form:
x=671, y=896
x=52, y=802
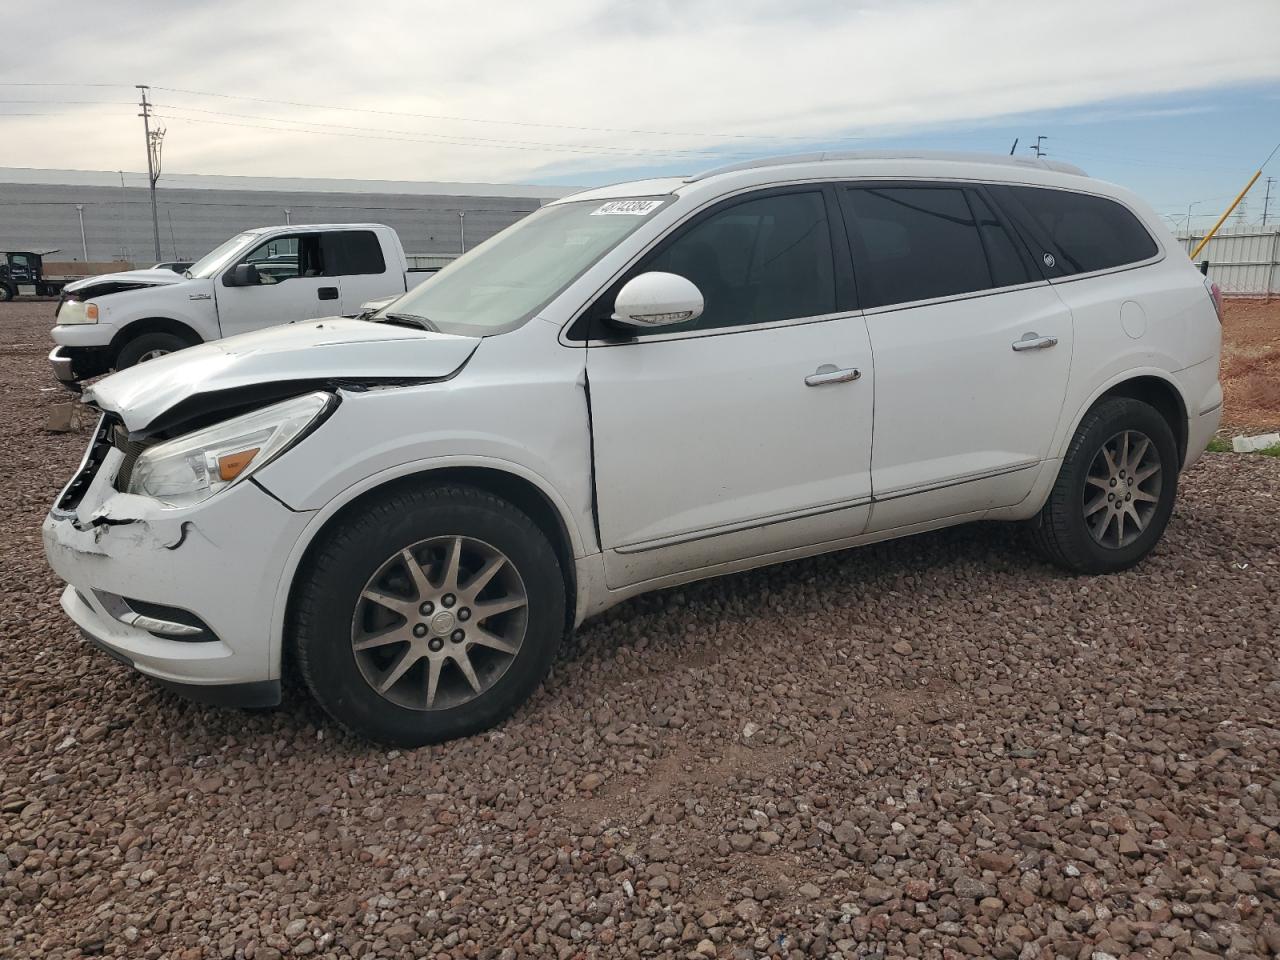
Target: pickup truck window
x=500, y=284
x=352, y=253
x=283, y=258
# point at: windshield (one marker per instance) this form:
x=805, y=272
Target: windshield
x=508, y=278
x=220, y=256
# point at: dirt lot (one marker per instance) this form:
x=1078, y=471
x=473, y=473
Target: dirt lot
x=938, y=747
x=1251, y=366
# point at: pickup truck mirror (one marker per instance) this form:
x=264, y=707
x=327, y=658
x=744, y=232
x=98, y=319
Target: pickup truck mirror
x=657, y=299
x=241, y=275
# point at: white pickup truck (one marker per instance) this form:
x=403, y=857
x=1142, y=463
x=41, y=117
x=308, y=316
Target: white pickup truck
x=262, y=277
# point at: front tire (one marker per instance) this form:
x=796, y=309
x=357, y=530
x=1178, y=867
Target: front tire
x=428, y=614
x=1114, y=494
x=148, y=346
x=6, y=293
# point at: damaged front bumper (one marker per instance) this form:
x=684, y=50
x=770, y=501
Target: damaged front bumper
x=187, y=595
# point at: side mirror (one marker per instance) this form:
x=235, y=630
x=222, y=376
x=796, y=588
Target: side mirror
x=241, y=275
x=657, y=299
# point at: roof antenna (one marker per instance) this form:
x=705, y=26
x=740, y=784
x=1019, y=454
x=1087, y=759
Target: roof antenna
x=1014, y=147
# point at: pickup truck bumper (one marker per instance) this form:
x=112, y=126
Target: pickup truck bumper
x=73, y=364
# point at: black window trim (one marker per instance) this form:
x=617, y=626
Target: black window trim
x=579, y=332
x=1024, y=226
x=966, y=187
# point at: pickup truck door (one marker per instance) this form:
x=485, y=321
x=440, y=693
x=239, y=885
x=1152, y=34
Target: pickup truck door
x=292, y=286
x=358, y=258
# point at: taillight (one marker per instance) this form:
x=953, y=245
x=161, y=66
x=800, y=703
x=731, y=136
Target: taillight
x=1215, y=294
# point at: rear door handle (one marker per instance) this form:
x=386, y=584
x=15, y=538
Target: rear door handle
x=830, y=373
x=1032, y=341
x=327, y=293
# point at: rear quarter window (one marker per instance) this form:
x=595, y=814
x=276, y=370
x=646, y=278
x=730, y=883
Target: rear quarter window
x=351, y=253
x=1081, y=232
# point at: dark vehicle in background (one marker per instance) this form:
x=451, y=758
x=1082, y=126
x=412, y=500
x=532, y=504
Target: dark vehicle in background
x=23, y=272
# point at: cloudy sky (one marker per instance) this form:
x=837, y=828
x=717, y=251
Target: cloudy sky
x=1179, y=99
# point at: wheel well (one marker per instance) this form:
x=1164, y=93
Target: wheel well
x=517, y=491
x=1162, y=395
x=152, y=325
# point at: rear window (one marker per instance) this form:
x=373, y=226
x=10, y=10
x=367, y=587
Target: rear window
x=350, y=253
x=1082, y=232
x=914, y=243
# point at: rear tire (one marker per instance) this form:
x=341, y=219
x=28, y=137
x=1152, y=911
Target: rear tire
x=6, y=293
x=148, y=346
x=428, y=614
x=1114, y=494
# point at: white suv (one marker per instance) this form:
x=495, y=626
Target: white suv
x=634, y=387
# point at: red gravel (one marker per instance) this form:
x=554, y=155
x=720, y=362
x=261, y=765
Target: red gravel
x=938, y=747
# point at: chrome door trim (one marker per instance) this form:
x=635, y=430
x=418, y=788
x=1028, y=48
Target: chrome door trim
x=900, y=492
x=704, y=533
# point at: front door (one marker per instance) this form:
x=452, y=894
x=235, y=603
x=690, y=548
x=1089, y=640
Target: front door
x=747, y=431
x=972, y=350
x=292, y=285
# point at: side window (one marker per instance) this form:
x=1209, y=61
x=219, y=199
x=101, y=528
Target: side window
x=284, y=258
x=914, y=243
x=1008, y=266
x=1086, y=232
x=350, y=253
x=757, y=261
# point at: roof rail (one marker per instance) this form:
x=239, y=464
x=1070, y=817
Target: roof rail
x=1039, y=163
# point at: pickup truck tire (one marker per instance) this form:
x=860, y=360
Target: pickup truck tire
x=427, y=614
x=1114, y=494
x=148, y=346
x=6, y=293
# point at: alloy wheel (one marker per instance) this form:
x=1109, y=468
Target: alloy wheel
x=152, y=355
x=1122, y=489
x=439, y=623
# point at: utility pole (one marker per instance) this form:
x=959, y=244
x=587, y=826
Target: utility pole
x=462, y=230
x=1266, y=201
x=155, y=144
x=1038, y=146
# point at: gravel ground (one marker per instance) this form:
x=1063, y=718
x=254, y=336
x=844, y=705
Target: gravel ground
x=938, y=747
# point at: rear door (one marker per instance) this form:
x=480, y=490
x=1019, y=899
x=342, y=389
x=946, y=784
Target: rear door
x=292, y=285
x=355, y=259
x=972, y=349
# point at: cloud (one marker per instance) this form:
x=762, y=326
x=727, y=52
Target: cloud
x=586, y=85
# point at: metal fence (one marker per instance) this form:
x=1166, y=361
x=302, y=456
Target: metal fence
x=1243, y=262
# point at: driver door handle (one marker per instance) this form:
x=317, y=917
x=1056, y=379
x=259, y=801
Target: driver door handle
x=1032, y=341
x=829, y=373
x=327, y=293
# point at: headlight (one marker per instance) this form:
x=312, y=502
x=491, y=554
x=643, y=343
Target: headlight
x=191, y=469
x=73, y=311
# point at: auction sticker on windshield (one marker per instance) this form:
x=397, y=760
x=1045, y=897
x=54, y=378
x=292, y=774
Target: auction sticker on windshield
x=632, y=208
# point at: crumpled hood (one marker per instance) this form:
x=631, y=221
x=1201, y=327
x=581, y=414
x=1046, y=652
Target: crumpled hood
x=151, y=278
x=275, y=363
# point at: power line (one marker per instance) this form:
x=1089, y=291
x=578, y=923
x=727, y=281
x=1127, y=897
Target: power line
x=57, y=83
x=513, y=123
x=430, y=136
x=99, y=103
x=455, y=141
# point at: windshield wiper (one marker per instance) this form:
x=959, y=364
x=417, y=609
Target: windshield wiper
x=407, y=320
